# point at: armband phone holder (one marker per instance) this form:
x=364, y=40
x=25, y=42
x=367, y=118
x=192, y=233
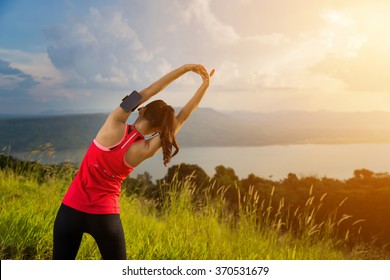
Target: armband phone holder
x=130, y=102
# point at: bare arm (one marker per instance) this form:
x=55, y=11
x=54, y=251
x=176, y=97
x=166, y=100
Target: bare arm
x=193, y=103
x=154, y=144
x=164, y=81
x=113, y=128
x=120, y=115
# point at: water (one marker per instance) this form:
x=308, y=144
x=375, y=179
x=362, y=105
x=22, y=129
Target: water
x=333, y=161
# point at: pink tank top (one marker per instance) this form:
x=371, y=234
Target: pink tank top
x=97, y=185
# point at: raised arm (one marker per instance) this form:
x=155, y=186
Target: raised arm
x=121, y=115
x=154, y=144
x=193, y=103
x=164, y=81
x=115, y=123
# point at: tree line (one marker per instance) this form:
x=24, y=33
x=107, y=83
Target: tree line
x=360, y=204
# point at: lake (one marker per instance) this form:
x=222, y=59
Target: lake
x=275, y=161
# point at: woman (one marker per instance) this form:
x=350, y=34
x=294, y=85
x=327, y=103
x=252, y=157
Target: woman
x=91, y=203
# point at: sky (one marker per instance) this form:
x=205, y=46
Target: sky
x=269, y=55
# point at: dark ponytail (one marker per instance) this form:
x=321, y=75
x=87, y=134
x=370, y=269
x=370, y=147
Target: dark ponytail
x=167, y=135
x=162, y=116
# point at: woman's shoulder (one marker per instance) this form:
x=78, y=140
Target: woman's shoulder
x=111, y=133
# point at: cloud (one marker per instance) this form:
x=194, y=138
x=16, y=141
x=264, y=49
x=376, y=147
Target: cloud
x=13, y=81
x=99, y=50
x=16, y=89
x=258, y=50
x=341, y=34
x=200, y=11
x=357, y=54
x=110, y=49
x=368, y=72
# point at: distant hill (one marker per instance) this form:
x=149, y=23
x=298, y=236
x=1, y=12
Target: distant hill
x=324, y=127
x=208, y=127
x=64, y=132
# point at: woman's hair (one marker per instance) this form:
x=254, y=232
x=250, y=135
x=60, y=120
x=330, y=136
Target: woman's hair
x=160, y=115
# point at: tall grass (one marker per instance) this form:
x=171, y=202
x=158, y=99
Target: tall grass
x=177, y=229
x=27, y=211
x=304, y=222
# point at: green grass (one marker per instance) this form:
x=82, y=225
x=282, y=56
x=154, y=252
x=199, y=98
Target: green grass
x=27, y=212
x=179, y=229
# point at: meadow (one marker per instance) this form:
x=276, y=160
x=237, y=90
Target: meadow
x=178, y=225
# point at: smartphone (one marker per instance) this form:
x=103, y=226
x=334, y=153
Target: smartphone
x=130, y=102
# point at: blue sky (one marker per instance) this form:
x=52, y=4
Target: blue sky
x=268, y=55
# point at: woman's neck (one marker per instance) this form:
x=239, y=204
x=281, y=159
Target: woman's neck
x=143, y=127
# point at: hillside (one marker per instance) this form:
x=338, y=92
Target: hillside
x=208, y=127
x=323, y=126
x=64, y=132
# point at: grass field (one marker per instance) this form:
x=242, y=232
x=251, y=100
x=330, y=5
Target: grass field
x=179, y=229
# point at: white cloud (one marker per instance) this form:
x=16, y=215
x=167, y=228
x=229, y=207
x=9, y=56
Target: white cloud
x=356, y=50
x=274, y=39
x=99, y=50
x=37, y=63
x=256, y=47
x=338, y=18
x=341, y=35
x=200, y=11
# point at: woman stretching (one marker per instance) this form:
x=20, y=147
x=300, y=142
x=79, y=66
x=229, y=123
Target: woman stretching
x=91, y=204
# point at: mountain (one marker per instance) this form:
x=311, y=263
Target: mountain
x=211, y=128
x=328, y=127
x=64, y=132
x=208, y=127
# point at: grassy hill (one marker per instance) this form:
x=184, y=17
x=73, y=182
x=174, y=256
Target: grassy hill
x=179, y=230
x=191, y=216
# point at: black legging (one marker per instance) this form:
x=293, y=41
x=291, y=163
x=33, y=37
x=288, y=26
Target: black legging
x=106, y=229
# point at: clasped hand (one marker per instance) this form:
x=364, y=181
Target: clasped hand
x=202, y=71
